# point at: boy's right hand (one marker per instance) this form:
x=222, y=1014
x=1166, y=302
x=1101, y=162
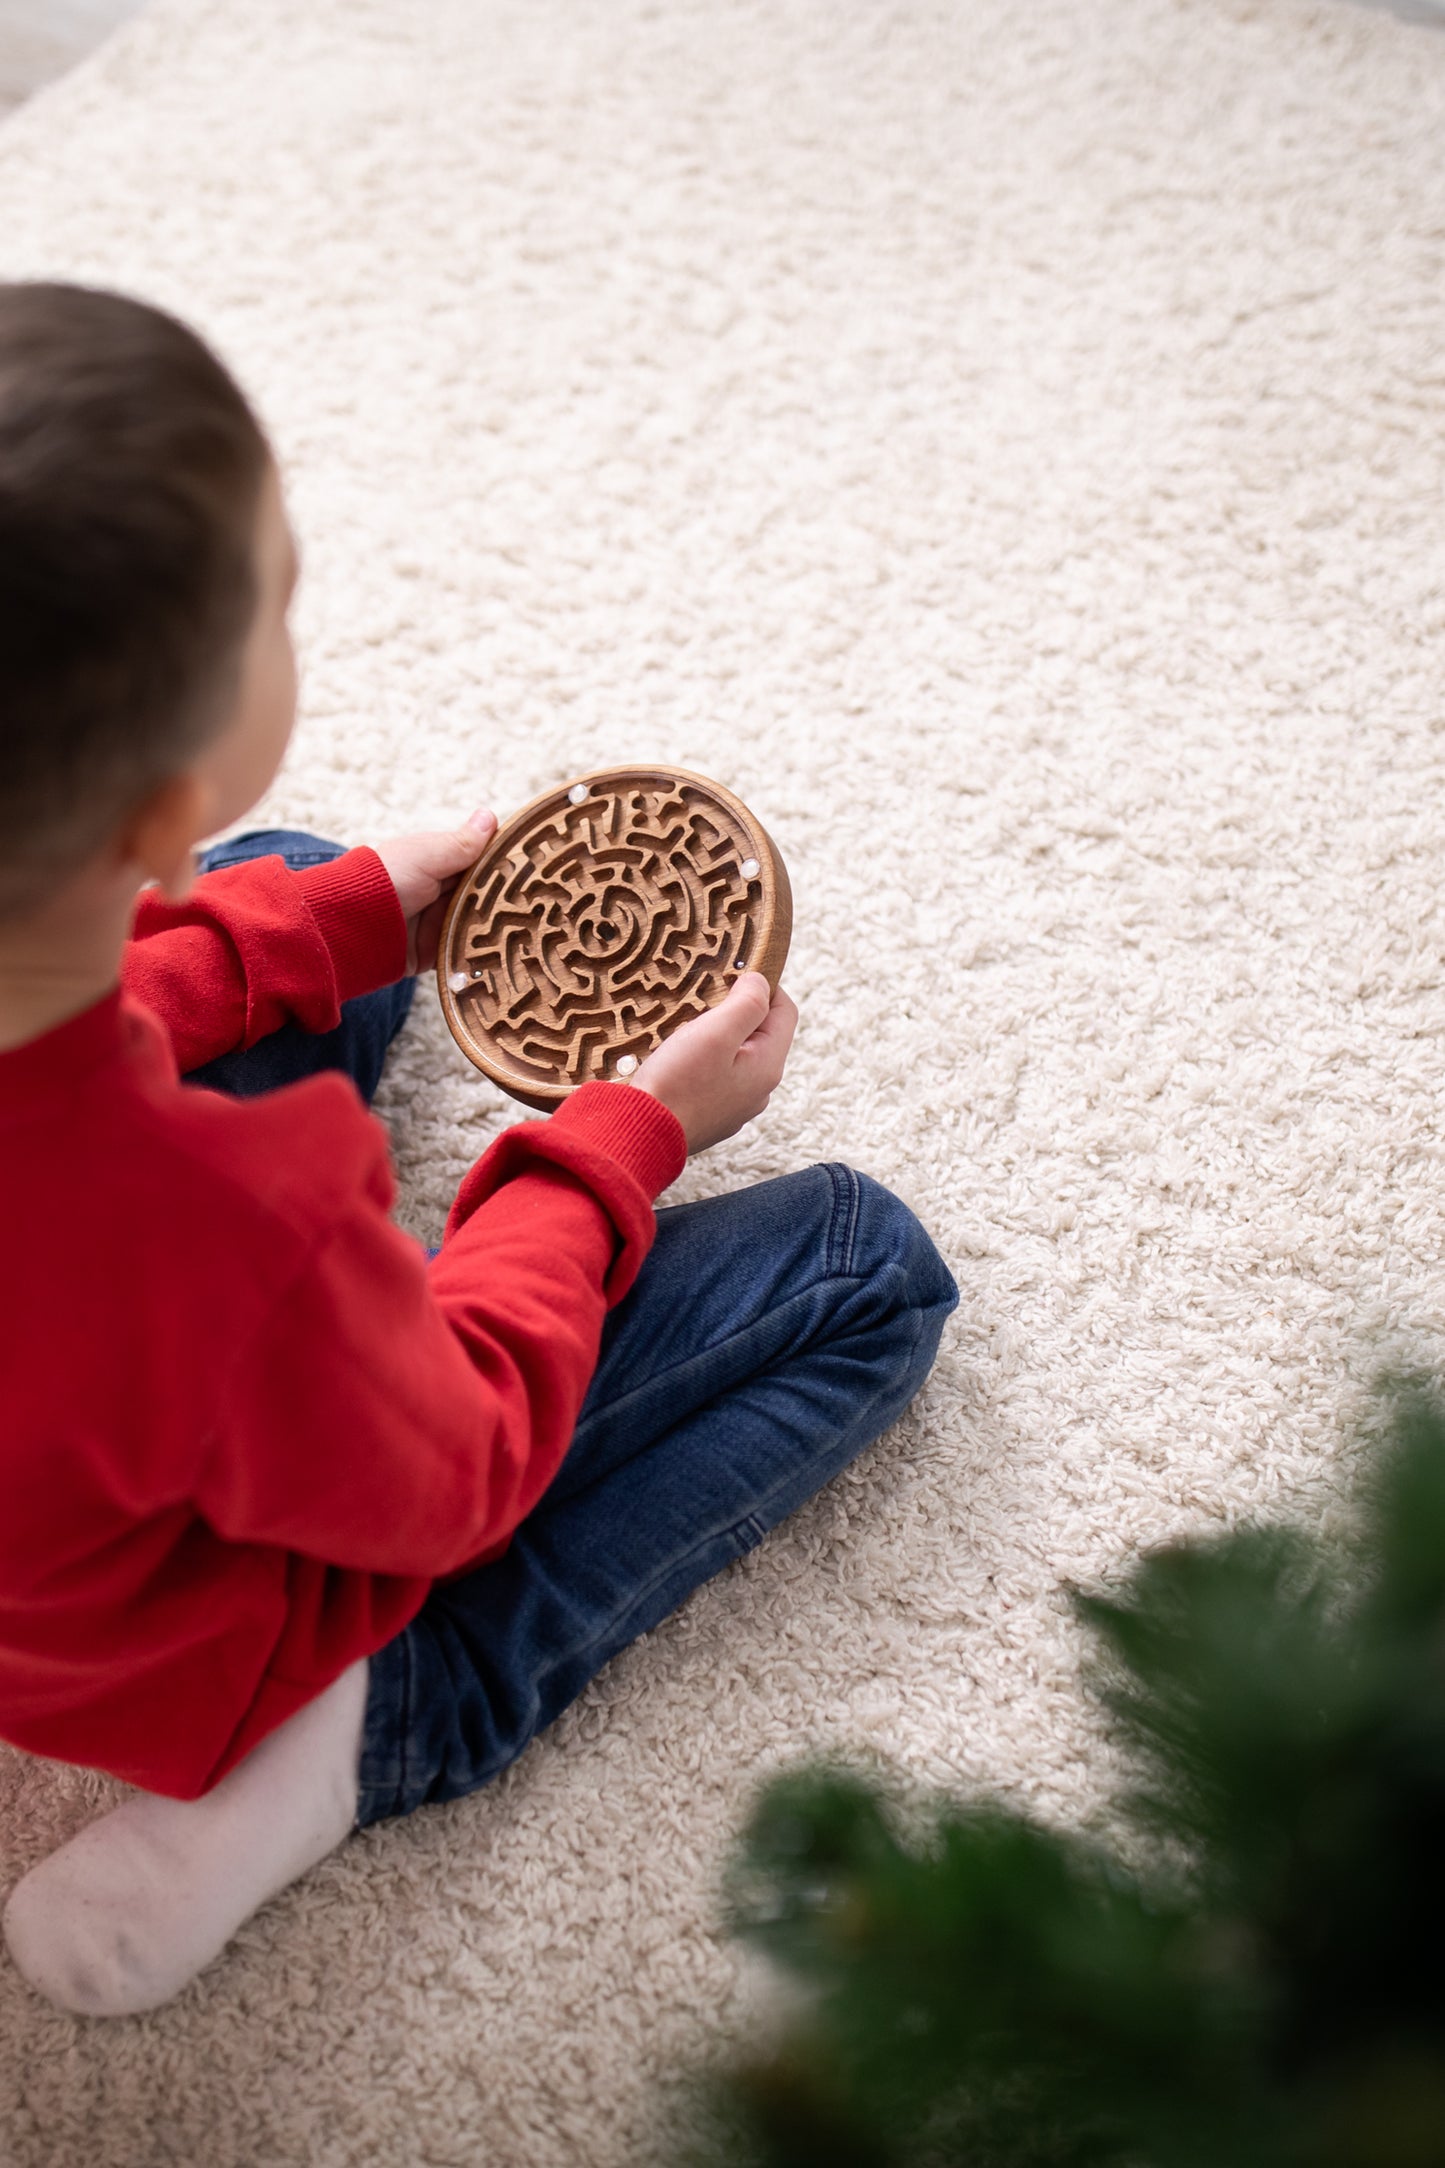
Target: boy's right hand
x=719, y=1070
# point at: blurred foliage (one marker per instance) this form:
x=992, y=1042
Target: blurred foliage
x=1255, y=1979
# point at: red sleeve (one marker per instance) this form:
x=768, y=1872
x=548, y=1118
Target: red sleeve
x=404, y=1420
x=256, y=946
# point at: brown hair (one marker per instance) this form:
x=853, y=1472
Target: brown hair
x=130, y=473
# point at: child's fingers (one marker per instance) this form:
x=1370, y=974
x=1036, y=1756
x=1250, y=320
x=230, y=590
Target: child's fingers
x=767, y=1049
x=732, y=1023
x=430, y=863
x=719, y=1070
x=449, y=851
x=452, y=850
x=780, y=1022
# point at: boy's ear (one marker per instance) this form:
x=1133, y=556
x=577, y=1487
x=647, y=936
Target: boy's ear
x=158, y=834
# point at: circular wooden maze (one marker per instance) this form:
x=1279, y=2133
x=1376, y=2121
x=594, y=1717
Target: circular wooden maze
x=599, y=918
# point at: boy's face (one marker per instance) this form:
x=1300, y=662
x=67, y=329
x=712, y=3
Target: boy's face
x=239, y=765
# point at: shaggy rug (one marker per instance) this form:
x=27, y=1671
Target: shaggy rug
x=1005, y=445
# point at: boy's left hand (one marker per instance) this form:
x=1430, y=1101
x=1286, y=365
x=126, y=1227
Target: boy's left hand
x=425, y=869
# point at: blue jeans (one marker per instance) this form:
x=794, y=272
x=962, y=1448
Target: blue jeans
x=358, y=1044
x=770, y=1337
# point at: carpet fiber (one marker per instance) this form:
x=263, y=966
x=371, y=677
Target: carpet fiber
x=1005, y=445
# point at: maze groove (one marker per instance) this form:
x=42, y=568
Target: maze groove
x=603, y=915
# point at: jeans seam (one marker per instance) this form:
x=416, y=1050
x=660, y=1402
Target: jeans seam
x=638, y=1596
x=294, y=859
x=397, y=1804
x=841, y=1237
x=838, y=1250
x=308, y=850
x=408, y=1700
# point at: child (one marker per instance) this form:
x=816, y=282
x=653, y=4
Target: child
x=300, y=1529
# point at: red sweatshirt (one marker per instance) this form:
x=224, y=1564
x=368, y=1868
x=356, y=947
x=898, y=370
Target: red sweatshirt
x=245, y=1425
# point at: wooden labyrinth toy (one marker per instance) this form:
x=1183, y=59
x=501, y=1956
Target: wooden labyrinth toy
x=599, y=918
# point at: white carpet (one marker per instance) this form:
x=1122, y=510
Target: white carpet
x=1005, y=444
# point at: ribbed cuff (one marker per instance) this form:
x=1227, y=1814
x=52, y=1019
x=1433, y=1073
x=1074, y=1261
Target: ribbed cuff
x=355, y=905
x=638, y=1131
x=621, y=1144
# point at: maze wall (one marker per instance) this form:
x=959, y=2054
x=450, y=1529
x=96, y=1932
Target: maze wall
x=605, y=916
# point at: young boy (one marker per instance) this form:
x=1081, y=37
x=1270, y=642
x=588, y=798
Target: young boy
x=300, y=1529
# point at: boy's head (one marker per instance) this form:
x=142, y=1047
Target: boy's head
x=147, y=684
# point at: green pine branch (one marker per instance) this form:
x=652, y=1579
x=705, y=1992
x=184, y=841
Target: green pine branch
x=1260, y=1985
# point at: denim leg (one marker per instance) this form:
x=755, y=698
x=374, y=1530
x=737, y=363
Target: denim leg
x=770, y=1337
x=358, y=1044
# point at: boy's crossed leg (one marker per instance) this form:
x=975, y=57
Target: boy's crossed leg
x=771, y=1335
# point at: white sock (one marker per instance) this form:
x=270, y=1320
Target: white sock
x=121, y=1917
